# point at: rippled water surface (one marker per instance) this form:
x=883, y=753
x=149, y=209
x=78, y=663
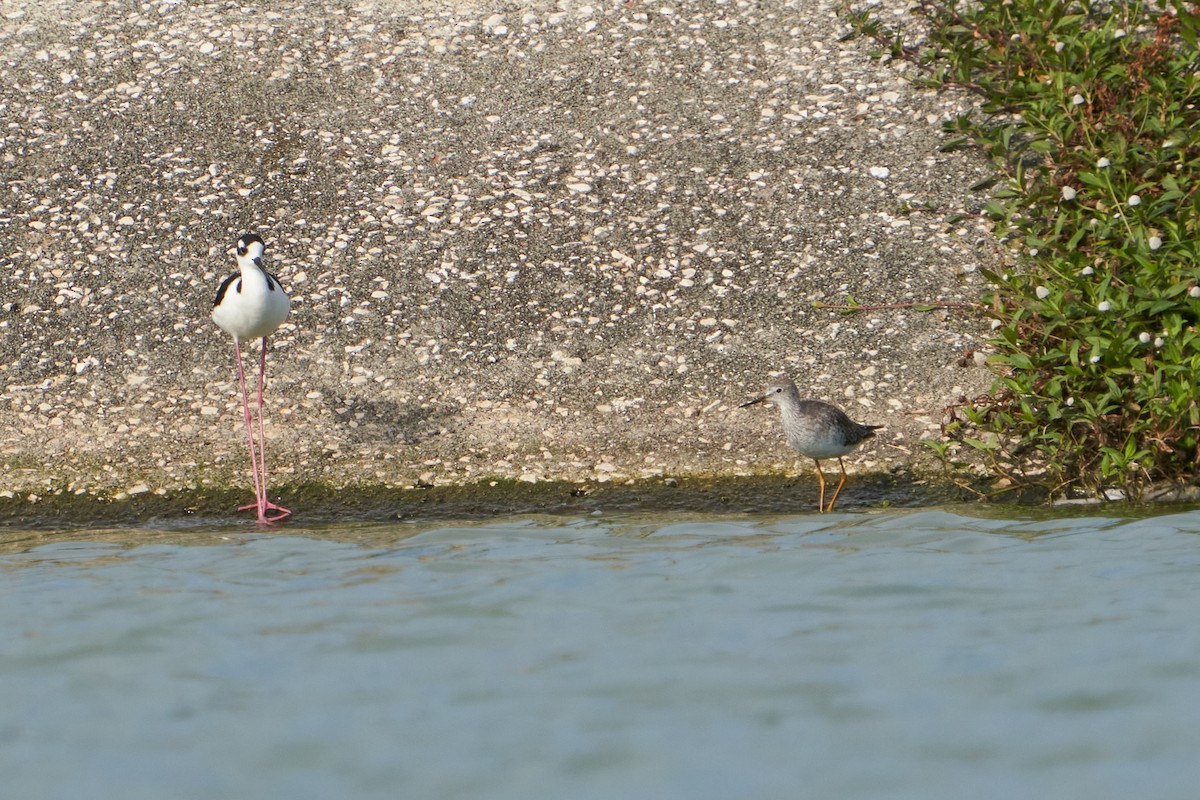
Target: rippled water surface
x=926, y=654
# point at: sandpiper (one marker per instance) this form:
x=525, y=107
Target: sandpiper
x=817, y=430
x=251, y=304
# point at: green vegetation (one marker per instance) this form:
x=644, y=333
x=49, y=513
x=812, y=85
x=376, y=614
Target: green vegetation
x=1090, y=113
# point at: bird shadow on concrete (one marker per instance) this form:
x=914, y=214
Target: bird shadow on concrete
x=362, y=420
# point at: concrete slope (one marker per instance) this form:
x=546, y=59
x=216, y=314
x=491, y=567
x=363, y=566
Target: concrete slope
x=560, y=241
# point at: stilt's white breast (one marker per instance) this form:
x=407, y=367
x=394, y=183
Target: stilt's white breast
x=250, y=304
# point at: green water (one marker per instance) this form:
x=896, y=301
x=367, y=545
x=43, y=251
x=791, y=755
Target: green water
x=902, y=654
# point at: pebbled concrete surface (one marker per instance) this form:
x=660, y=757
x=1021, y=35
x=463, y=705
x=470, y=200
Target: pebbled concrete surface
x=524, y=240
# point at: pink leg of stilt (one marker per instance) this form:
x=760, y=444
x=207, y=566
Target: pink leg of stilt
x=258, y=487
x=264, y=504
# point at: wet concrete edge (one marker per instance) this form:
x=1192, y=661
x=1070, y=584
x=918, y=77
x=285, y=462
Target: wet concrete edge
x=318, y=502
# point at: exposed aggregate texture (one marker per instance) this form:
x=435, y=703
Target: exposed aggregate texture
x=523, y=240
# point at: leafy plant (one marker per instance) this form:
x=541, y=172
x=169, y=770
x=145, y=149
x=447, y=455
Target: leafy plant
x=1090, y=113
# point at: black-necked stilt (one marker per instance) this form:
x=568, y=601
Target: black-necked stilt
x=816, y=430
x=251, y=304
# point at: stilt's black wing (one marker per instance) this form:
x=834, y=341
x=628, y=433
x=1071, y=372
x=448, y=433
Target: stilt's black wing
x=225, y=287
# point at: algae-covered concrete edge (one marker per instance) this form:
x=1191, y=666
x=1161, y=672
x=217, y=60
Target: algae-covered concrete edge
x=320, y=503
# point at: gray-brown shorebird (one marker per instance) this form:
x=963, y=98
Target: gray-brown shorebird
x=816, y=430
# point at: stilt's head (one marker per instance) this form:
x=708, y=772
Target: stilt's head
x=250, y=247
x=779, y=393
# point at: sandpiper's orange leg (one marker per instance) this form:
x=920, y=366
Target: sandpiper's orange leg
x=821, y=479
x=841, y=483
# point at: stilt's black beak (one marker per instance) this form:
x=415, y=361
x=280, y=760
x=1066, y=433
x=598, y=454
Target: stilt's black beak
x=752, y=402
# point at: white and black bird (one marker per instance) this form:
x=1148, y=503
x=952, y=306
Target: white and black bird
x=817, y=430
x=251, y=304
